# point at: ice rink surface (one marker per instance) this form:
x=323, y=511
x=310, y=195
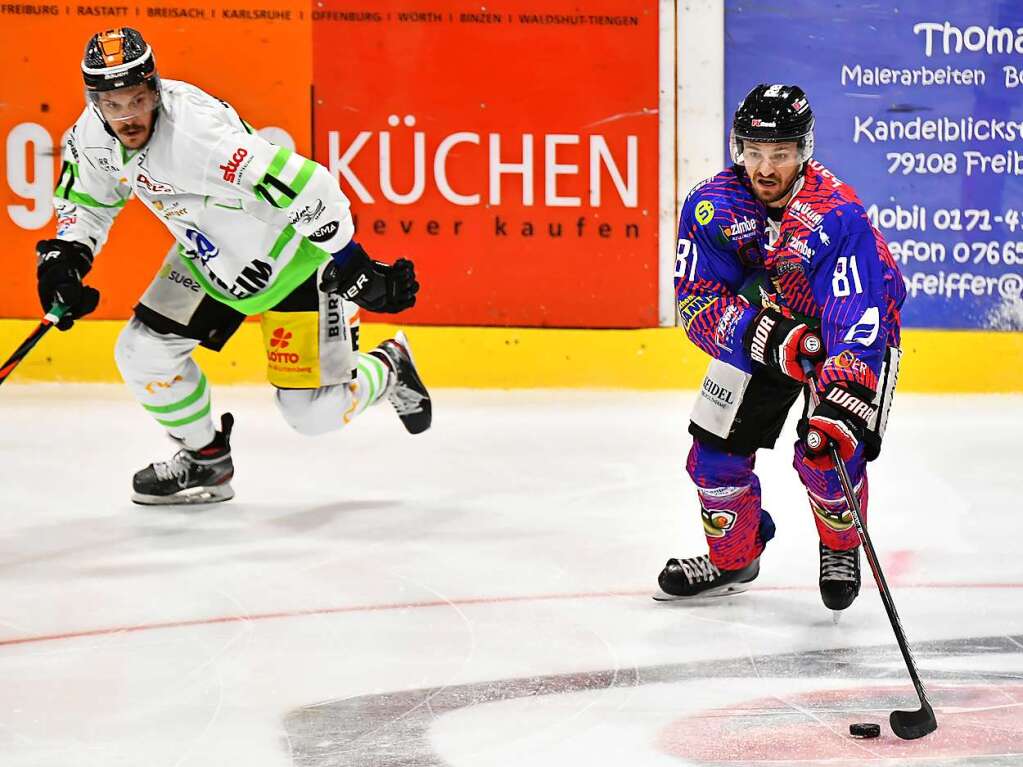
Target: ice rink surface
x=479, y=596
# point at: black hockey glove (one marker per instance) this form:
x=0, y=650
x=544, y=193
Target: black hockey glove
x=371, y=284
x=61, y=267
x=783, y=343
x=840, y=420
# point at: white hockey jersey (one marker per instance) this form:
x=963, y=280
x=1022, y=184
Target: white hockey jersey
x=252, y=220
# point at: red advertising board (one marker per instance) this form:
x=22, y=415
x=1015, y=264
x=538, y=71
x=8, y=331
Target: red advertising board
x=510, y=151
x=233, y=49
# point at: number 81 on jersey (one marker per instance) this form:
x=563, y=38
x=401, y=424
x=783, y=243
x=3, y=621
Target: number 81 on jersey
x=686, y=248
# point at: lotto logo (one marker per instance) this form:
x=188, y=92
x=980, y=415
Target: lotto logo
x=280, y=338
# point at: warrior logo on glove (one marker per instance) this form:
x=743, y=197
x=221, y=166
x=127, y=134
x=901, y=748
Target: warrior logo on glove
x=783, y=343
x=840, y=420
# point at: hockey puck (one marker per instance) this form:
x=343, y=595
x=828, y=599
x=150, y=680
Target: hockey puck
x=864, y=730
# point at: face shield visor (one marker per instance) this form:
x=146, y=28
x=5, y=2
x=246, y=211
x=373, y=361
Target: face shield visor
x=123, y=93
x=127, y=104
x=804, y=143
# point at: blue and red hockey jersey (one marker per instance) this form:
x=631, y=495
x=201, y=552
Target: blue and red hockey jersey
x=823, y=261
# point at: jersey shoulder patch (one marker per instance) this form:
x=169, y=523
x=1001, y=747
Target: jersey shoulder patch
x=717, y=198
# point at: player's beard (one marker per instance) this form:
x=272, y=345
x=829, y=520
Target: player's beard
x=777, y=192
x=133, y=135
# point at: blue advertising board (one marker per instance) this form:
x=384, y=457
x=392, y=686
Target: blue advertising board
x=919, y=106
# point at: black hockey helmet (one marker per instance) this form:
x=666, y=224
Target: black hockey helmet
x=118, y=58
x=773, y=113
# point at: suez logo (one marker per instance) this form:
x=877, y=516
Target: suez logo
x=501, y=159
x=183, y=280
x=280, y=339
x=230, y=168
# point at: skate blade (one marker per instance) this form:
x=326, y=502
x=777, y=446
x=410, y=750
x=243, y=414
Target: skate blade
x=836, y=616
x=192, y=496
x=720, y=591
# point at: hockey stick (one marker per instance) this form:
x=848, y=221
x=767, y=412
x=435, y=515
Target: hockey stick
x=908, y=725
x=51, y=318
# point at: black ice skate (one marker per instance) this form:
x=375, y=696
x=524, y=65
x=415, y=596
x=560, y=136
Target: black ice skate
x=191, y=476
x=840, y=577
x=405, y=391
x=697, y=577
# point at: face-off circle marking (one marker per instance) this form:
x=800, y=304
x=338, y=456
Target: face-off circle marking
x=976, y=719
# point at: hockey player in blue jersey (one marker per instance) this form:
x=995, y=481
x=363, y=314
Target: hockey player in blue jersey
x=778, y=265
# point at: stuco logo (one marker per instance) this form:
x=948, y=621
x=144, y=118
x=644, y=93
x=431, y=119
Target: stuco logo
x=230, y=168
x=280, y=339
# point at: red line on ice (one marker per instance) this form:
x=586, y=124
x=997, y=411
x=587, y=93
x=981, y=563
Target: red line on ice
x=110, y=631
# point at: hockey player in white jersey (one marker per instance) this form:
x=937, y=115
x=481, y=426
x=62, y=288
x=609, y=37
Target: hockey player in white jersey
x=258, y=230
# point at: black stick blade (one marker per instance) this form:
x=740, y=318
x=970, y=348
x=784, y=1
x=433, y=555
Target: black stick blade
x=910, y=725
